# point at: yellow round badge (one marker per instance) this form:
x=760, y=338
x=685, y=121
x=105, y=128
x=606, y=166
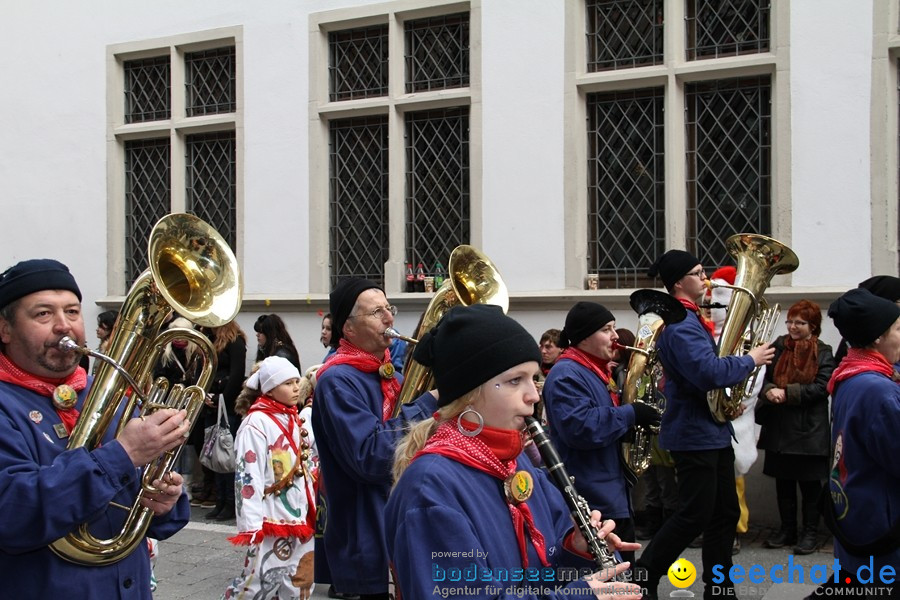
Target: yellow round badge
x=682, y=573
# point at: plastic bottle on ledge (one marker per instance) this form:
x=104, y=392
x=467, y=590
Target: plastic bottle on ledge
x=420, y=278
x=410, y=278
x=438, y=275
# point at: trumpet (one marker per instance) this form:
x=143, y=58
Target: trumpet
x=578, y=506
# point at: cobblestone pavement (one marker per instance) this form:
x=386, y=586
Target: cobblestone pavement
x=198, y=562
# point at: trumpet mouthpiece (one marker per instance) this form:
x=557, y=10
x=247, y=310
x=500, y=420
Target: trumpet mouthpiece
x=67, y=344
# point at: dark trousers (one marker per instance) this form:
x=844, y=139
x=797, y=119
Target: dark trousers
x=707, y=504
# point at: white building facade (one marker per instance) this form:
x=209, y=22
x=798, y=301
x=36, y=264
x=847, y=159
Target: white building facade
x=562, y=137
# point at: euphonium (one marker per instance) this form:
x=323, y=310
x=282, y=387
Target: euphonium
x=749, y=321
x=471, y=279
x=655, y=310
x=194, y=272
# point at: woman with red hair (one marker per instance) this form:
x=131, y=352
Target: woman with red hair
x=796, y=434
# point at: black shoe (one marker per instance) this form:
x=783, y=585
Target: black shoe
x=332, y=593
x=227, y=514
x=646, y=532
x=781, y=539
x=808, y=542
x=214, y=513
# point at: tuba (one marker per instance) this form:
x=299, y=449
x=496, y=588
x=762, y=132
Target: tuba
x=750, y=321
x=472, y=279
x=193, y=272
x=655, y=310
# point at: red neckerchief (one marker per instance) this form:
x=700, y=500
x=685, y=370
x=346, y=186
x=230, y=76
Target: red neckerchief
x=271, y=407
x=348, y=354
x=860, y=360
x=596, y=365
x=798, y=363
x=707, y=324
x=10, y=373
x=493, y=451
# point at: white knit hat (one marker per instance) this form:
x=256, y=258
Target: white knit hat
x=273, y=371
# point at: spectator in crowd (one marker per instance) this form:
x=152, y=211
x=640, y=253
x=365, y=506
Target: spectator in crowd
x=273, y=339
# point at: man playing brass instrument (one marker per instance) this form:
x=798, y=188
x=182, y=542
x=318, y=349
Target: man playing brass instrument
x=48, y=491
x=700, y=446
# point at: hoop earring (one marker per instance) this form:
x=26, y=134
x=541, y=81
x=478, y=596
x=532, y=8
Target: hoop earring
x=465, y=431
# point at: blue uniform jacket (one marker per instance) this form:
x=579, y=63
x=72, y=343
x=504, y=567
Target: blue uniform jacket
x=585, y=428
x=46, y=491
x=865, y=477
x=692, y=368
x=356, y=455
x=450, y=534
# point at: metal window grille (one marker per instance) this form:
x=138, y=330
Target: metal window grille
x=728, y=163
x=898, y=166
x=358, y=197
x=437, y=53
x=211, y=181
x=147, y=84
x=726, y=27
x=624, y=33
x=437, y=184
x=147, y=198
x=626, y=185
x=210, y=86
x=358, y=63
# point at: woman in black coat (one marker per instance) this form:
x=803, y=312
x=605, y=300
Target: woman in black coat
x=231, y=348
x=796, y=433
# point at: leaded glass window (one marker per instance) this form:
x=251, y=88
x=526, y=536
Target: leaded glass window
x=726, y=27
x=728, y=163
x=626, y=185
x=358, y=193
x=210, y=81
x=147, y=198
x=358, y=63
x=147, y=84
x=437, y=184
x=210, y=181
x=624, y=33
x=437, y=53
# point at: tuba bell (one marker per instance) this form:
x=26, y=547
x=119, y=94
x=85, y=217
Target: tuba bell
x=194, y=272
x=655, y=310
x=471, y=279
x=749, y=321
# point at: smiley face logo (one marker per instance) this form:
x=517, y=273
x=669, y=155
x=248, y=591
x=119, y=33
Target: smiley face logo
x=682, y=573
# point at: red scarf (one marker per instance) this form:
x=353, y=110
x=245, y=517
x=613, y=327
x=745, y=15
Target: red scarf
x=348, y=354
x=493, y=451
x=707, y=324
x=860, y=360
x=596, y=365
x=10, y=373
x=798, y=363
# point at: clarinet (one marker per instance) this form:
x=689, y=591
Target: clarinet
x=578, y=506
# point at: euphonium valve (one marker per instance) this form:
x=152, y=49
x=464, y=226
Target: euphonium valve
x=192, y=272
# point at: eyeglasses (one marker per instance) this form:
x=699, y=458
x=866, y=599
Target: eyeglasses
x=797, y=323
x=378, y=313
x=698, y=273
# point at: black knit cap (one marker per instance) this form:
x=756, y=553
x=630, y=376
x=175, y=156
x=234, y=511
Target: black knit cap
x=672, y=266
x=471, y=344
x=885, y=286
x=582, y=321
x=35, y=275
x=861, y=316
x=342, y=299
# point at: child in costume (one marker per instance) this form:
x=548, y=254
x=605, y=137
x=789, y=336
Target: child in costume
x=274, y=478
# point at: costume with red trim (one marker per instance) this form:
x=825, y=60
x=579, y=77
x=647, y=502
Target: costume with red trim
x=275, y=498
